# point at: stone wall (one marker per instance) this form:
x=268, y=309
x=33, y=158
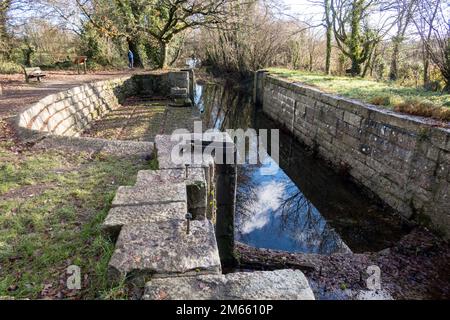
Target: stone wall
x=160, y=83
x=402, y=159
x=69, y=112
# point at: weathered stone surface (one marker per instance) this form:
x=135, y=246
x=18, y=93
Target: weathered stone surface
x=176, y=92
x=179, y=79
x=165, y=249
x=197, y=193
x=61, y=108
x=141, y=195
x=165, y=145
x=87, y=102
x=266, y=285
x=194, y=178
x=143, y=215
x=187, y=174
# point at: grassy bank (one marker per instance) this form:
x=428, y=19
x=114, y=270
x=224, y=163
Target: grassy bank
x=51, y=206
x=416, y=101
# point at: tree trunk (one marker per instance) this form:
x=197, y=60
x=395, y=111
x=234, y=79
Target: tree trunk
x=393, y=73
x=355, y=45
x=355, y=70
x=28, y=52
x=426, y=64
x=163, y=54
x=368, y=63
x=329, y=35
x=134, y=47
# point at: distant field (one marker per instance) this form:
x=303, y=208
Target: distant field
x=417, y=101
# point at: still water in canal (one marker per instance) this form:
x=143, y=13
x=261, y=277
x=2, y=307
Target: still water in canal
x=306, y=206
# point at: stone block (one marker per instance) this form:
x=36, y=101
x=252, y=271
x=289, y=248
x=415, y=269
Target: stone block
x=187, y=174
x=259, y=285
x=164, y=145
x=143, y=215
x=165, y=249
x=194, y=178
x=37, y=123
x=141, y=195
x=352, y=119
x=179, y=93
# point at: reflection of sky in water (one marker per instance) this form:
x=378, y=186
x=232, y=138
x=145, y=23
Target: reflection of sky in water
x=198, y=98
x=216, y=113
x=272, y=213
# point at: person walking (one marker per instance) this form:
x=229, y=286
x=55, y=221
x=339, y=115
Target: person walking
x=130, y=59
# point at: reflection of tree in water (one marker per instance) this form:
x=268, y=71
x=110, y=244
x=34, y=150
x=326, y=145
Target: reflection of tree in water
x=304, y=223
x=224, y=107
x=297, y=217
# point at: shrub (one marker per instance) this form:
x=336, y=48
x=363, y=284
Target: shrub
x=7, y=67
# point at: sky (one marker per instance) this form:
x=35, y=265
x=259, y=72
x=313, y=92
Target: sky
x=305, y=8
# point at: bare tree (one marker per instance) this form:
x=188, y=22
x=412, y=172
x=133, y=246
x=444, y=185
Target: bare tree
x=433, y=27
x=251, y=40
x=404, y=10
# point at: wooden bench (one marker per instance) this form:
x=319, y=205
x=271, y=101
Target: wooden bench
x=35, y=72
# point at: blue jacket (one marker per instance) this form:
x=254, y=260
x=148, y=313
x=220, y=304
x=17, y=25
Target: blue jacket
x=130, y=55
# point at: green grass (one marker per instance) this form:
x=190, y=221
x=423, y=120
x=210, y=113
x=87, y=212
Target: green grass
x=51, y=206
x=385, y=94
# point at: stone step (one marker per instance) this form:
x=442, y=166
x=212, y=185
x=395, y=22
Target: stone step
x=150, y=194
x=164, y=147
x=260, y=285
x=164, y=249
x=188, y=175
x=142, y=215
x=196, y=186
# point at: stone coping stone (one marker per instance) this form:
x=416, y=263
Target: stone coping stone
x=164, y=249
x=193, y=176
x=261, y=285
x=150, y=194
x=142, y=215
